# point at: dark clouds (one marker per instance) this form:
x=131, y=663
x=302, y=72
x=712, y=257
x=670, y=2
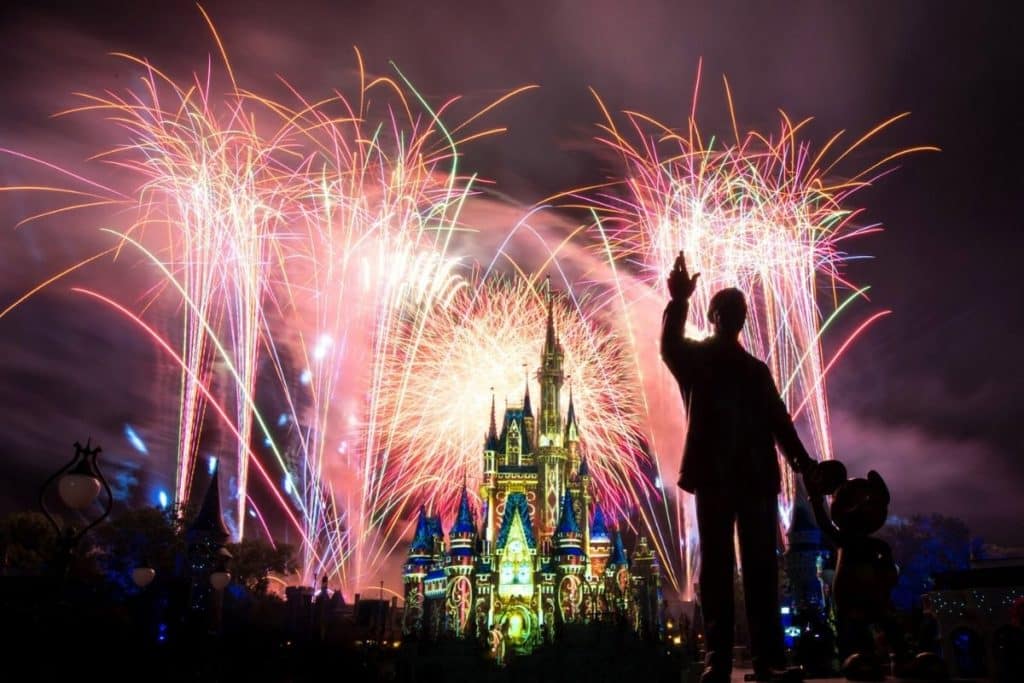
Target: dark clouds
x=931, y=396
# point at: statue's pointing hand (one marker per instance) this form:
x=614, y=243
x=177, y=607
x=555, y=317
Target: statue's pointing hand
x=680, y=284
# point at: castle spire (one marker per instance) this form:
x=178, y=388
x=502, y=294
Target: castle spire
x=550, y=339
x=527, y=406
x=572, y=430
x=567, y=520
x=464, y=523
x=421, y=541
x=491, y=443
x=551, y=378
x=210, y=521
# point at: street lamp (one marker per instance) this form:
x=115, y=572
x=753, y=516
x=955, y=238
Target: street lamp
x=143, y=576
x=220, y=577
x=78, y=485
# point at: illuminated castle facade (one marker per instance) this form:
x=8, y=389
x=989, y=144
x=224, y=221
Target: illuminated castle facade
x=540, y=555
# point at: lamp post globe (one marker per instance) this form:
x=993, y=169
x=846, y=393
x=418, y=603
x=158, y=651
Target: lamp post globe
x=143, y=576
x=78, y=490
x=220, y=579
x=78, y=485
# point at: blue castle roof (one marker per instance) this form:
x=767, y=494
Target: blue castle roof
x=209, y=522
x=567, y=518
x=598, y=527
x=619, y=556
x=516, y=504
x=434, y=528
x=514, y=415
x=421, y=539
x=464, y=522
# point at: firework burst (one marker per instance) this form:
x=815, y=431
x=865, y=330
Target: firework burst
x=760, y=214
x=306, y=234
x=314, y=242
x=486, y=342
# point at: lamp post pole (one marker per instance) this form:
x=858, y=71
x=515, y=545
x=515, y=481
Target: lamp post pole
x=79, y=484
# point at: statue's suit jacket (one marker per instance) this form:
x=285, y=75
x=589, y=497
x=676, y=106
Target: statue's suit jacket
x=735, y=415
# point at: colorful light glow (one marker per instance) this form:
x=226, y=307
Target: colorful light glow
x=135, y=440
x=435, y=401
x=761, y=213
x=301, y=237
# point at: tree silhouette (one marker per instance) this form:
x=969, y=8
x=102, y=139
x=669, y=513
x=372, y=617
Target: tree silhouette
x=923, y=546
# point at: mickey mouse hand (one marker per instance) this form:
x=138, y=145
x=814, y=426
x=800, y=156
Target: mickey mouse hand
x=823, y=478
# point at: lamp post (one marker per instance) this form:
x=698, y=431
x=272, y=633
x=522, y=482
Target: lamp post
x=78, y=486
x=220, y=577
x=143, y=576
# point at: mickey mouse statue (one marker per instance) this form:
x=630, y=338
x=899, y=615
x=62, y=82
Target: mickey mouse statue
x=865, y=571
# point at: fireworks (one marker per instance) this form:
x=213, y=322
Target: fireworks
x=377, y=209
x=440, y=379
x=213, y=184
x=309, y=235
x=761, y=214
x=309, y=249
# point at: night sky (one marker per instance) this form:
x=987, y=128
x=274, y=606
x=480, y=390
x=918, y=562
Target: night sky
x=932, y=396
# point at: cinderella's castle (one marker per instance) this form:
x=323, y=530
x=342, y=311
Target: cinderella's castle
x=541, y=555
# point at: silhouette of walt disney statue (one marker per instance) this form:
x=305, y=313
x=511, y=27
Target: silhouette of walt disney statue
x=735, y=418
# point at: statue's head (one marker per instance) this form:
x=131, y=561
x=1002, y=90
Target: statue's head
x=727, y=312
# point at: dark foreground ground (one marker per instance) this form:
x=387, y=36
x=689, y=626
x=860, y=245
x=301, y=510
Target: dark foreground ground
x=46, y=655
x=50, y=633
x=84, y=635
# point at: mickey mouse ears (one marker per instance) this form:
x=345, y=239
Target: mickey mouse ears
x=876, y=480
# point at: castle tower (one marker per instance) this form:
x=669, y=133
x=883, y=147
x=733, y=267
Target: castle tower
x=490, y=478
x=435, y=583
x=414, y=572
x=619, y=559
x=583, y=475
x=459, y=568
x=208, y=525
x=646, y=573
x=617, y=573
x=462, y=538
x=551, y=378
x=568, y=539
x=570, y=563
x=551, y=455
x=205, y=539
x=804, y=548
x=600, y=543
